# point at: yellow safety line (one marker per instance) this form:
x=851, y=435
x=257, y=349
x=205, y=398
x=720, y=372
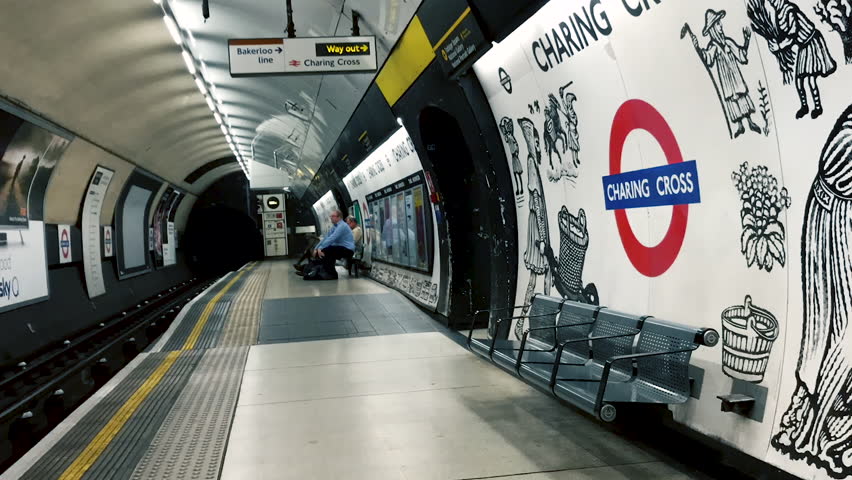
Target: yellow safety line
x=450, y=30
x=104, y=437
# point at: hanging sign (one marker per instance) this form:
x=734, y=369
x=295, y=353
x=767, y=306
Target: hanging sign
x=92, y=206
x=462, y=44
x=283, y=56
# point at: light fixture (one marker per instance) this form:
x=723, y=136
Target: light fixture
x=190, y=64
x=157, y=2
x=173, y=28
x=399, y=121
x=200, y=83
x=218, y=118
x=219, y=99
x=224, y=129
x=210, y=103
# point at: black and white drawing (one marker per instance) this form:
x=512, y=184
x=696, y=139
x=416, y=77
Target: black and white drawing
x=748, y=333
x=571, y=122
x=765, y=109
x=838, y=15
x=559, y=138
x=507, y=128
x=538, y=234
x=725, y=55
x=817, y=425
x=762, y=202
x=798, y=46
x=554, y=136
x=568, y=268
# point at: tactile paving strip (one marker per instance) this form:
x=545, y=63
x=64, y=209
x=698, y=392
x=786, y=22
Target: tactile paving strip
x=244, y=315
x=191, y=442
x=185, y=329
x=72, y=444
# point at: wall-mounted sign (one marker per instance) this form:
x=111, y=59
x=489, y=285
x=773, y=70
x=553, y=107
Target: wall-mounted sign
x=461, y=43
x=92, y=231
x=108, y=245
x=284, y=56
x=64, y=232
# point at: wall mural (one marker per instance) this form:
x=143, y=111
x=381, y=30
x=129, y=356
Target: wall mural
x=726, y=55
x=538, y=231
x=507, y=129
x=748, y=333
x=764, y=236
x=416, y=285
x=816, y=426
x=837, y=14
x=798, y=46
x=732, y=269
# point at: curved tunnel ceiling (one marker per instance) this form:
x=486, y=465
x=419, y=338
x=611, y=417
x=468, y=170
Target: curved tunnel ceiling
x=289, y=122
x=111, y=73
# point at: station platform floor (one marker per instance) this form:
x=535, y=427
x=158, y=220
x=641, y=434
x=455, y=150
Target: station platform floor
x=266, y=376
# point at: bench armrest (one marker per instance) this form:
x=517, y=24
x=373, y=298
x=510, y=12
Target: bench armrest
x=608, y=366
x=479, y=312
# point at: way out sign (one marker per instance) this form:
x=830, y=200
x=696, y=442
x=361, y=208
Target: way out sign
x=287, y=56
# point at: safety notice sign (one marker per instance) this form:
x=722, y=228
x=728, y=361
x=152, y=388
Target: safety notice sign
x=284, y=56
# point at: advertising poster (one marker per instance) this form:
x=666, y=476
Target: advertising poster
x=322, y=209
x=108, y=243
x=158, y=224
x=693, y=161
x=28, y=155
x=398, y=221
x=92, y=230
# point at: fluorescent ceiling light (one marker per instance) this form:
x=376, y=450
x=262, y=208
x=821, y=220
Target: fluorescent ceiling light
x=224, y=129
x=219, y=99
x=173, y=28
x=157, y=2
x=210, y=103
x=200, y=83
x=218, y=118
x=190, y=64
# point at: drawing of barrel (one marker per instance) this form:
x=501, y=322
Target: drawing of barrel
x=748, y=333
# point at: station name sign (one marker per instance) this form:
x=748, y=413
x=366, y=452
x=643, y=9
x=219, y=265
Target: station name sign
x=312, y=55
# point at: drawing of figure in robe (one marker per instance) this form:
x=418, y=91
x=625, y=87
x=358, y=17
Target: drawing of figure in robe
x=723, y=53
x=817, y=425
x=797, y=44
x=538, y=235
x=507, y=128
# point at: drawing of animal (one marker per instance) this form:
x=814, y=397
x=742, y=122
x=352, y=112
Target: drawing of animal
x=553, y=130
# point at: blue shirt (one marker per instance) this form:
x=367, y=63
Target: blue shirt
x=340, y=235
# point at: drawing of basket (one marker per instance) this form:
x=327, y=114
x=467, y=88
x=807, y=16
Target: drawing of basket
x=573, y=243
x=748, y=333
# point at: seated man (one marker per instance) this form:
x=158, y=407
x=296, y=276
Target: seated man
x=357, y=234
x=337, y=244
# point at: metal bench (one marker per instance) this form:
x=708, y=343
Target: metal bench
x=597, y=358
x=542, y=310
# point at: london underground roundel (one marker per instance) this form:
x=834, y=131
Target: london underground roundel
x=674, y=184
x=273, y=203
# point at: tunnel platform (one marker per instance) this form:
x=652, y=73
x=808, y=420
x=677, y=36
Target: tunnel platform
x=264, y=376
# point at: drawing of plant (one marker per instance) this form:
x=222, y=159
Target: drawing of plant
x=763, y=237
x=765, y=109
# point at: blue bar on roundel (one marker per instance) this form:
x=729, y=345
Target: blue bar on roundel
x=674, y=184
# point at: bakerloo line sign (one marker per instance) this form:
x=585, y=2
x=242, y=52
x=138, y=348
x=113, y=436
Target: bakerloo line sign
x=287, y=56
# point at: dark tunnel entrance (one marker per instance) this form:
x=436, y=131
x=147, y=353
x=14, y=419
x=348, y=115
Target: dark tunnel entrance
x=469, y=252
x=220, y=239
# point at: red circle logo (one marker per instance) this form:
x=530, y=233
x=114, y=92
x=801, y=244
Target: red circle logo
x=640, y=115
x=65, y=244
